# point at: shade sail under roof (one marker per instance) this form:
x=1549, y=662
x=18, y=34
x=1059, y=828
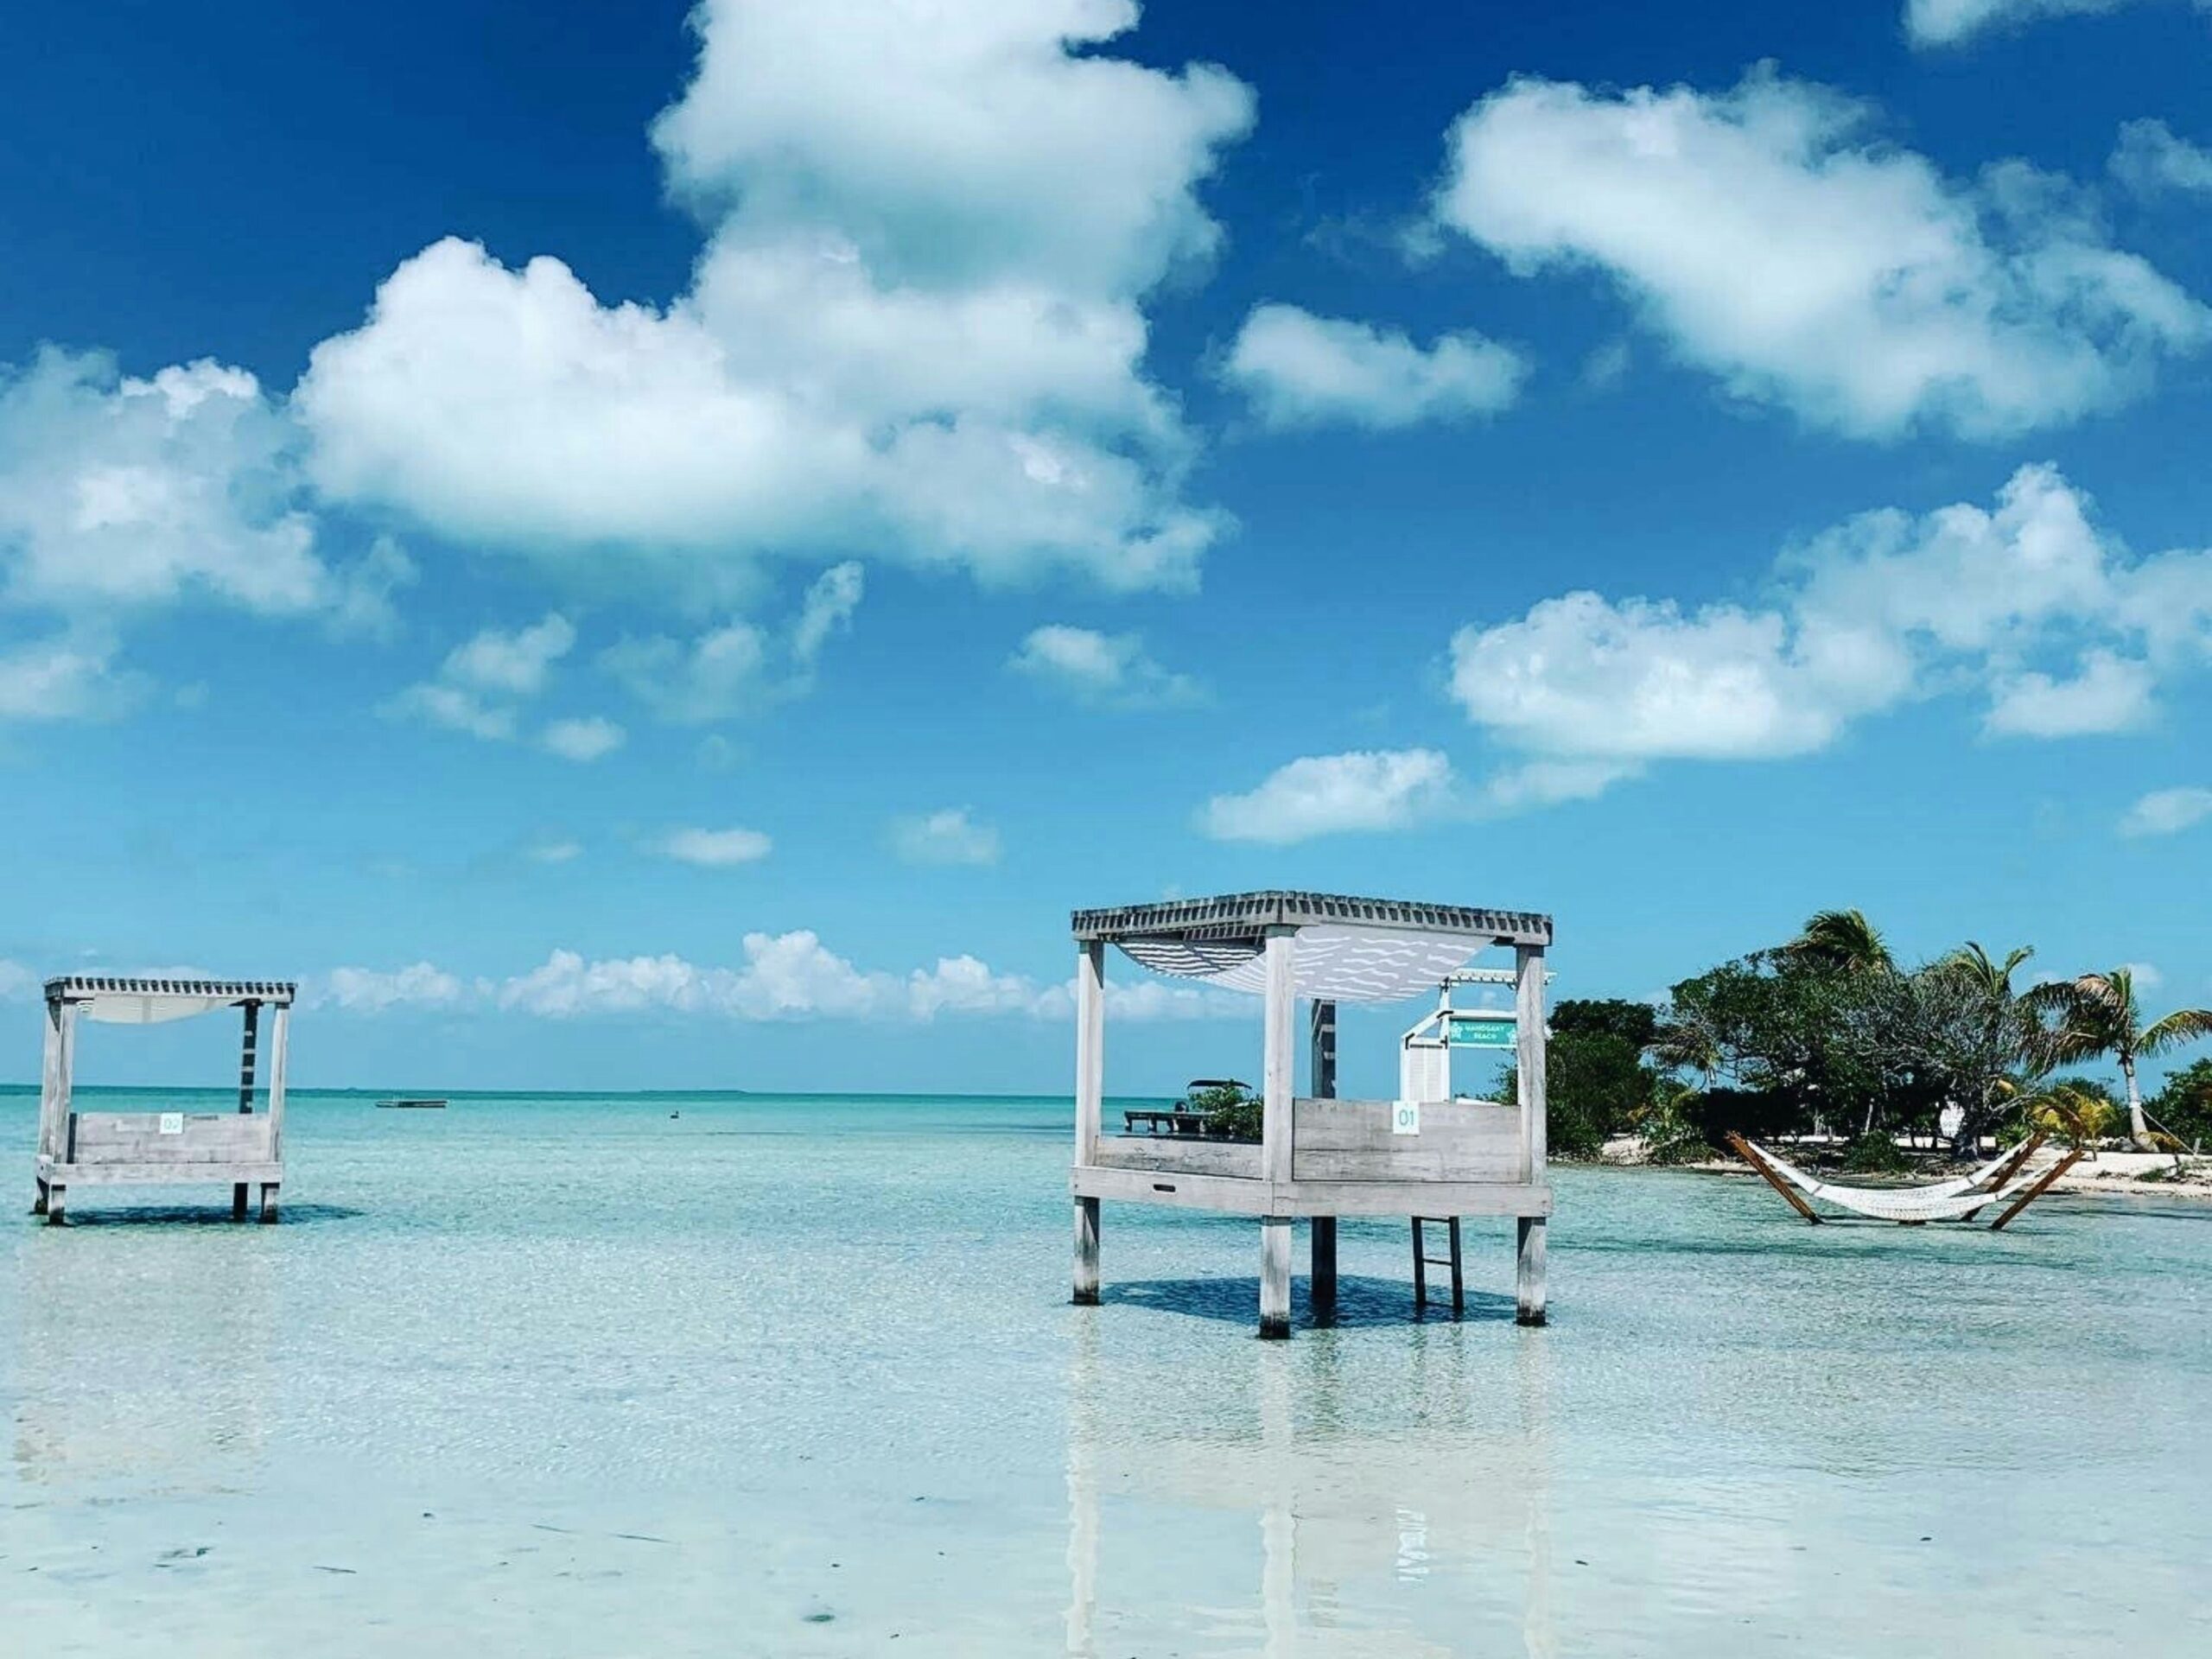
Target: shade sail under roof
x=1343, y=950
x=1329, y=962
x=118, y=1001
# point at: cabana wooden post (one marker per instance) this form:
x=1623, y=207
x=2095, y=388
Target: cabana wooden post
x=243, y=1148
x=1318, y=1157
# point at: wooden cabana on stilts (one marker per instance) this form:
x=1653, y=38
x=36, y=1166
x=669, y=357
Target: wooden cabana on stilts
x=243, y=1148
x=1318, y=1157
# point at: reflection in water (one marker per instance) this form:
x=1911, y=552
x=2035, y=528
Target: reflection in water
x=1532, y=1371
x=1082, y=1491
x=142, y=1356
x=1360, y=1501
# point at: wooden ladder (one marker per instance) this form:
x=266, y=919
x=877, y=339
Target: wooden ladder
x=1423, y=1262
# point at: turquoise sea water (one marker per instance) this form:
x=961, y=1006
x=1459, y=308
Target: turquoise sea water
x=583, y=1376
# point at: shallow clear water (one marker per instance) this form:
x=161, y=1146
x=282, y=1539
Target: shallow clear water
x=799, y=1377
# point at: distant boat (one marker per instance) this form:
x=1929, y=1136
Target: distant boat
x=409, y=1103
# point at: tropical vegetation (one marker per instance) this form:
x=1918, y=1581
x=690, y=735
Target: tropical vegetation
x=1829, y=1032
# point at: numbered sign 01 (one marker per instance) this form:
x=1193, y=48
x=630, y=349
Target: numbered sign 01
x=1405, y=1117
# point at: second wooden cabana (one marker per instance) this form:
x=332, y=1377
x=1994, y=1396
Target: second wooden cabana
x=1318, y=1157
x=242, y=1149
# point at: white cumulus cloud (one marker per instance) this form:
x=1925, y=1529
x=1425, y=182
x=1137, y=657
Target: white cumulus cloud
x=2151, y=159
x=739, y=666
x=366, y=990
x=780, y=976
x=482, y=685
x=714, y=849
x=1948, y=22
x=1110, y=669
x=2106, y=693
x=1770, y=235
x=2167, y=811
x=72, y=675
x=583, y=739
x=916, y=329
x=122, y=492
x=121, y=496
x=1303, y=370
x=514, y=662
x=1333, y=794
x=2028, y=602
x=951, y=836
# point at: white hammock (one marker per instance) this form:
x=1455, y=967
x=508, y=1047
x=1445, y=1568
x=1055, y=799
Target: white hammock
x=2000, y=1178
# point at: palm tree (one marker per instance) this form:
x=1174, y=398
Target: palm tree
x=2066, y=1108
x=1993, y=979
x=1843, y=940
x=1688, y=1046
x=2098, y=1014
x=1996, y=1045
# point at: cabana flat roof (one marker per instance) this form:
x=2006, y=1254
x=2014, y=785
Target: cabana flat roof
x=1246, y=915
x=77, y=987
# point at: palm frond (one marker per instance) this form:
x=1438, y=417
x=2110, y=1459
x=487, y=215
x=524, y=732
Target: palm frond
x=2183, y=1025
x=1973, y=964
x=1841, y=939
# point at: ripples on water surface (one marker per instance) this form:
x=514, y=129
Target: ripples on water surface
x=577, y=1377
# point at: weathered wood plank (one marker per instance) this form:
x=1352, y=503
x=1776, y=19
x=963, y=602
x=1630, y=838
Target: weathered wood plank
x=1529, y=1272
x=54, y=1077
x=63, y=1174
x=1233, y=1158
x=1412, y=1198
x=2037, y=1190
x=1090, y=1047
x=1460, y=1141
x=1279, y=1076
x=1274, y=1276
x=1504, y=1169
x=1750, y=1155
x=1530, y=1050
x=279, y=1047
x=1086, y=1252
x=1229, y=1196
x=137, y=1138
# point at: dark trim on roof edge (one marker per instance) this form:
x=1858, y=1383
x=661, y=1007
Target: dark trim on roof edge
x=1240, y=915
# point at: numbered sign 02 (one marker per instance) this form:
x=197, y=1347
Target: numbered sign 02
x=1405, y=1117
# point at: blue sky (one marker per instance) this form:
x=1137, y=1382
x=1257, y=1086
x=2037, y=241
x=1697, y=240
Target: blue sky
x=626, y=551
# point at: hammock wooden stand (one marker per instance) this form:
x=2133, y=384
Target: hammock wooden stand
x=2002, y=1180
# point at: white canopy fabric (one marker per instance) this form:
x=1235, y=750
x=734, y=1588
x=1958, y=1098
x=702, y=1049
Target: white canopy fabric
x=1330, y=962
x=125, y=1008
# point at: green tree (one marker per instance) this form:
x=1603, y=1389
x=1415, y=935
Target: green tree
x=2184, y=1104
x=1788, y=1025
x=1596, y=1085
x=2098, y=1014
x=1829, y=1030
x=1982, y=1043
x=1635, y=1023
x=1232, y=1111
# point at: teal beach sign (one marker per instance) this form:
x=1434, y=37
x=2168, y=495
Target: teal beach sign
x=1483, y=1031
